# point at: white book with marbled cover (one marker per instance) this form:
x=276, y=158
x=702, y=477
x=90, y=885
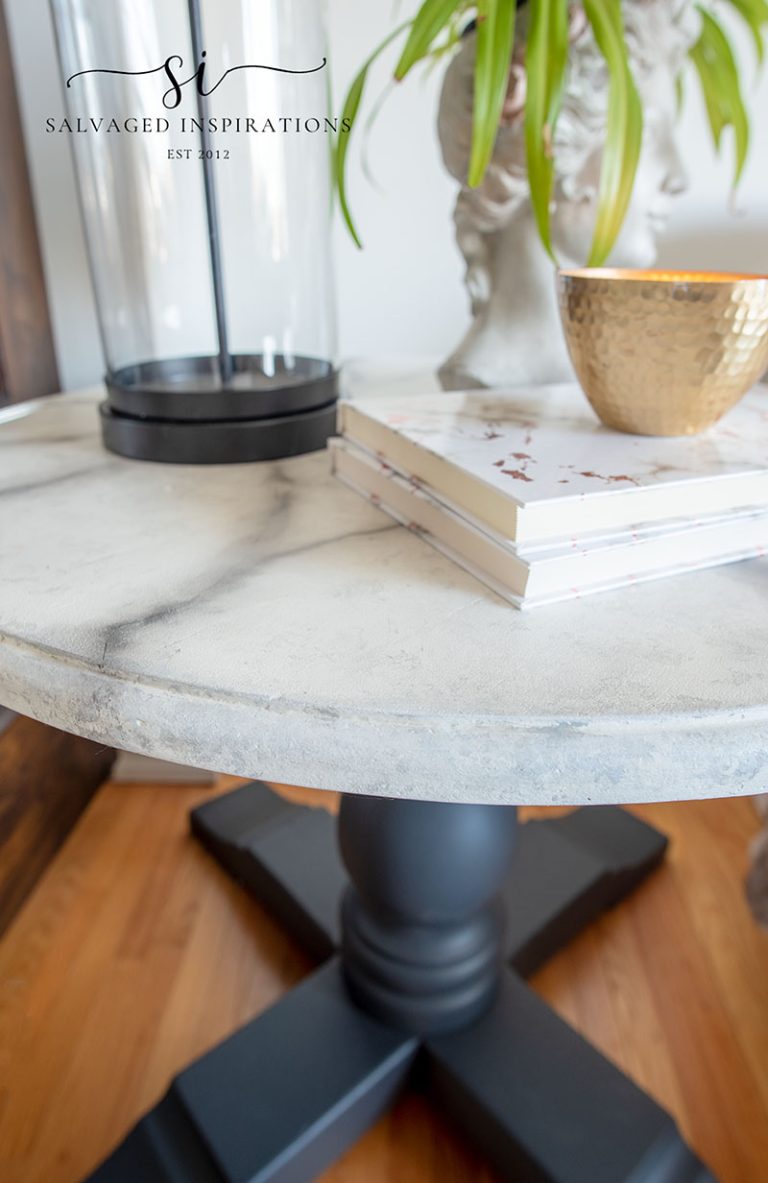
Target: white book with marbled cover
x=536, y=464
x=535, y=574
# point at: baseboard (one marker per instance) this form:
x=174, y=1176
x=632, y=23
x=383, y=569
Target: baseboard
x=132, y=769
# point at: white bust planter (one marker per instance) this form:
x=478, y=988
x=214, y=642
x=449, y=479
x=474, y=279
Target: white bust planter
x=515, y=335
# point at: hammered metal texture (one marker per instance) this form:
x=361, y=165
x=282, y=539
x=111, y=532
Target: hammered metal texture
x=664, y=353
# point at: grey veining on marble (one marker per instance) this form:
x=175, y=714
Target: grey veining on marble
x=266, y=621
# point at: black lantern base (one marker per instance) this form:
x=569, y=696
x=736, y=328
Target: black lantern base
x=236, y=441
x=181, y=412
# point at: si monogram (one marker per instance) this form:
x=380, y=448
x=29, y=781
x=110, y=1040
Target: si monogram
x=175, y=64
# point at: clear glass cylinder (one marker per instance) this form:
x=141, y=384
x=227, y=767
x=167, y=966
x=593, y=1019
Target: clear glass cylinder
x=202, y=139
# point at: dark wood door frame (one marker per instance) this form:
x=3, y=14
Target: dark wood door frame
x=27, y=357
x=47, y=778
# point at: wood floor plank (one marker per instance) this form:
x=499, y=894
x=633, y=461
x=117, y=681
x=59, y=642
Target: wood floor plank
x=135, y=954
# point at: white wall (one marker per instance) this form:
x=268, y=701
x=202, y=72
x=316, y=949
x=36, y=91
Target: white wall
x=403, y=293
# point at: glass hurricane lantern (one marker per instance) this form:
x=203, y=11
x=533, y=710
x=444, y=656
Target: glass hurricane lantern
x=209, y=242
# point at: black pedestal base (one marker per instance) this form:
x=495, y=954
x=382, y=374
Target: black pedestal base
x=284, y=1097
x=564, y=873
x=287, y=1095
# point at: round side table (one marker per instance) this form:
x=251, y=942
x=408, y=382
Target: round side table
x=265, y=621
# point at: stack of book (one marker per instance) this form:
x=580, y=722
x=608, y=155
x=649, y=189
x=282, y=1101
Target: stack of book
x=530, y=493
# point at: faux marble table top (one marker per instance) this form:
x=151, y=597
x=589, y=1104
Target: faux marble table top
x=266, y=621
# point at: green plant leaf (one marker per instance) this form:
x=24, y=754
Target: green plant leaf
x=428, y=24
x=454, y=32
x=679, y=94
x=349, y=114
x=715, y=64
x=495, y=42
x=545, y=60
x=367, y=133
x=705, y=68
x=624, y=130
x=755, y=14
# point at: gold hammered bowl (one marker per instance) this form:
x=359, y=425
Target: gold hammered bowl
x=664, y=352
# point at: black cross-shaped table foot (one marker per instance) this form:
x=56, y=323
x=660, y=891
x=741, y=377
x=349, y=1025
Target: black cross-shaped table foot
x=412, y=989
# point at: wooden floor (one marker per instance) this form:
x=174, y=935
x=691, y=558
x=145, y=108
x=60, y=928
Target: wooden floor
x=135, y=954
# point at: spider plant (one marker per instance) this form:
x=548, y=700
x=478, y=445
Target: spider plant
x=437, y=29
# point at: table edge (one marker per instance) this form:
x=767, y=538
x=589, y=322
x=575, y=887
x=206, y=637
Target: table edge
x=497, y=759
